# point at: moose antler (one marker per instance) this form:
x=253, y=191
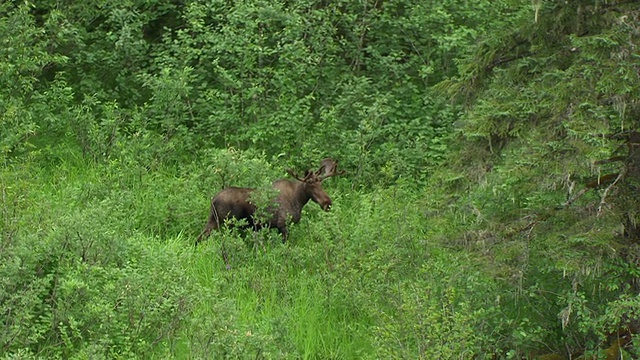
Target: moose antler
x=328, y=168
x=295, y=176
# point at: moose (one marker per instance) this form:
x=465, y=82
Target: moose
x=293, y=195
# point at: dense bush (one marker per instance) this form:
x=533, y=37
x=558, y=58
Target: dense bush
x=489, y=207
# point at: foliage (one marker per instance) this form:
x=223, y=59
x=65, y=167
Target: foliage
x=22, y=101
x=545, y=126
x=489, y=207
x=75, y=287
x=298, y=81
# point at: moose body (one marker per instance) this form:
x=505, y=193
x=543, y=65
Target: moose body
x=292, y=196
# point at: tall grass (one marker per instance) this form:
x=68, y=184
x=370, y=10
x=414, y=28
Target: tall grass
x=380, y=276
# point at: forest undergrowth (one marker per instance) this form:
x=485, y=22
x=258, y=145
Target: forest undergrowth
x=114, y=272
x=488, y=207
x=99, y=260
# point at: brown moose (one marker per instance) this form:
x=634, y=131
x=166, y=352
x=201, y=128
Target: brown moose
x=293, y=195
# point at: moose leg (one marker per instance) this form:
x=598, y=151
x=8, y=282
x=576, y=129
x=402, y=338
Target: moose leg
x=212, y=223
x=280, y=223
x=285, y=233
x=205, y=233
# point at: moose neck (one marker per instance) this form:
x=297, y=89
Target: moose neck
x=293, y=194
x=301, y=195
x=293, y=197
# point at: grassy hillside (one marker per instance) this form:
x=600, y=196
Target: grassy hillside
x=489, y=208
x=99, y=259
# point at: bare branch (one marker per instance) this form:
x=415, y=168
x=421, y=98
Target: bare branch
x=610, y=160
x=606, y=191
x=601, y=180
x=576, y=196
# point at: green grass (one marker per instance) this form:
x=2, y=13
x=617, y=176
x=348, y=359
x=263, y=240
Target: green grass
x=107, y=256
x=320, y=296
x=272, y=296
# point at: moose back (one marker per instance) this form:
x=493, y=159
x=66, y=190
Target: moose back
x=293, y=195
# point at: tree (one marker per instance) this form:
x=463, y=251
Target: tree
x=550, y=131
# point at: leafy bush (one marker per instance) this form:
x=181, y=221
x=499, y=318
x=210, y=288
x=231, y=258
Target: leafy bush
x=74, y=286
x=75, y=293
